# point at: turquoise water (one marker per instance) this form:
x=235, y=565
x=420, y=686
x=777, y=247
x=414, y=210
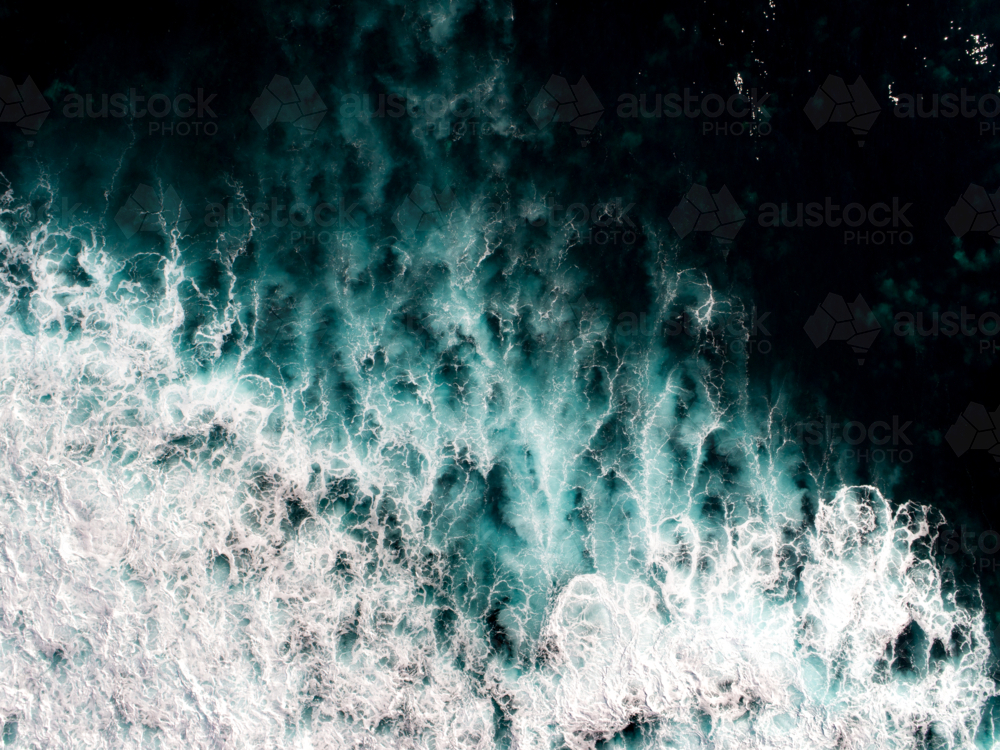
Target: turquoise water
x=338, y=434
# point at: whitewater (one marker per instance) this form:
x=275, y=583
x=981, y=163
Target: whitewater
x=437, y=495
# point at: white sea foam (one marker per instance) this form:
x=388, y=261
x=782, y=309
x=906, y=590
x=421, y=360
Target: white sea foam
x=152, y=589
x=764, y=671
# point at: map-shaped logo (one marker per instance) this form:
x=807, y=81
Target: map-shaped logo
x=423, y=209
x=576, y=104
x=22, y=105
x=144, y=211
x=836, y=320
x=701, y=211
x=835, y=101
x=976, y=429
x=976, y=211
x=588, y=318
x=283, y=102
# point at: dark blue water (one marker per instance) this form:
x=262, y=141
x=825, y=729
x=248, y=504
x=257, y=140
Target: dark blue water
x=499, y=376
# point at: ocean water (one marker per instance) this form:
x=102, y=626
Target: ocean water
x=395, y=407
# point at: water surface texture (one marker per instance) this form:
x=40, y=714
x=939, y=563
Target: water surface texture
x=424, y=376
